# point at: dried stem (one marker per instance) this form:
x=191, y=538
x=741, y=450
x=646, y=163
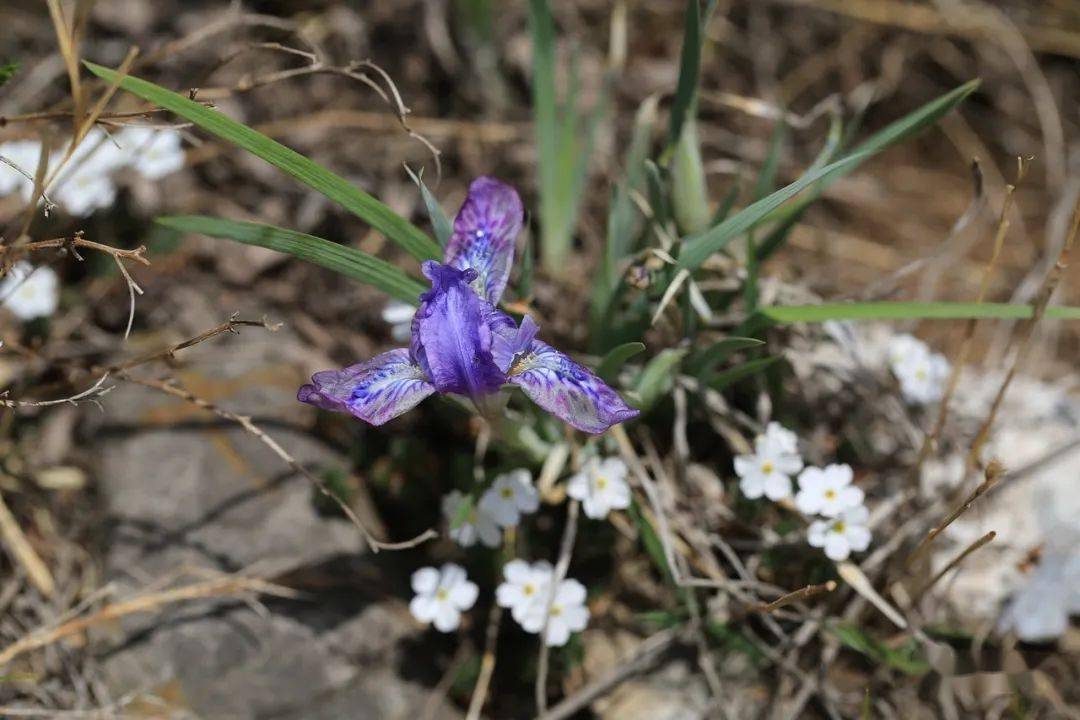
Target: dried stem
x=797, y=596
x=23, y=552
x=994, y=472
x=231, y=585
x=245, y=422
x=930, y=440
x=566, y=548
x=1042, y=300
x=985, y=539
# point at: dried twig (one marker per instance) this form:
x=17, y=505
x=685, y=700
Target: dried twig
x=985, y=539
x=961, y=358
x=1042, y=300
x=645, y=656
x=245, y=422
x=23, y=552
x=230, y=585
x=487, y=665
x=797, y=596
x=994, y=472
x=566, y=548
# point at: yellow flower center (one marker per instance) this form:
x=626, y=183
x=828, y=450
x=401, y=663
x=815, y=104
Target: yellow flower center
x=556, y=611
x=507, y=493
x=767, y=467
x=830, y=494
x=441, y=594
x=601, y=482
x=920, y=374
x=529, y=589
x=839, y=526
x=472, y=517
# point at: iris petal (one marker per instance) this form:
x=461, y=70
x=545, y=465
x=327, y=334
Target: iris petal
x=375, y=391
x=567, y=390
x=452, y=340
x=484, y=232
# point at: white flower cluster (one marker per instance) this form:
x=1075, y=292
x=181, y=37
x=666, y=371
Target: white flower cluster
x=921, y=373
x=526, y=590
x=443, y=594
x=826, y=492
x=501, y=506
x=30, y=292
x=86, y=184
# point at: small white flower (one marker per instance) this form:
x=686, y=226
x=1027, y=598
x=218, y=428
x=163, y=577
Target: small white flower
x=524, y=586
x=922, y=374
x=478, y=524
x=442, y=595
x=30, y=292
x=769, y=470
x=510, y=496
x=568, y=614
x=399, y=315
x=601, y=487
x=25, y=154
x=827, y=491
x=1039, y=611
x=841, y=535
x=86, y=183
x=154, y=153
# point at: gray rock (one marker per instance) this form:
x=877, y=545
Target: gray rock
x=181, y=488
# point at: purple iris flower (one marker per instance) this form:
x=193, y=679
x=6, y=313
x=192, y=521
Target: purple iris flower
x=463, y=344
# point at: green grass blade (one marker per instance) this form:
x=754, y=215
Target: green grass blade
x=703, y=361
x=341, y=191
x=911, y=311
x=699, y=247
x=689, y=70
x=721, y=380
x=339, y=258
x=614, y=360
x=657, y=377
x=440, y=223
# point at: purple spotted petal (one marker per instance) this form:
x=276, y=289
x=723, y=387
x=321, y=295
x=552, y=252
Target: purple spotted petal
x=374, y=391
x=484, y=232
x=508, y=340
x=567, y=390
x=452, y=340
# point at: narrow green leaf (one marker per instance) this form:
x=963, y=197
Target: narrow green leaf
x=339, y=258
x=721, y=380
x=703, y=361
x=699, y=247
x=765, y=183
x=727, y=202
x=379, y=216
x=650, y=540
x=907, y=658
x=689, y=70
x=614, y=360
x=910, y=311
x=440, y=223
x=657, y=377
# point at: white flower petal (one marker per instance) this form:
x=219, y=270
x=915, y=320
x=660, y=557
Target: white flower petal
x=424, y=608
x=836, y=546
x=425, y=580
x=464, y=595
x=447, y=617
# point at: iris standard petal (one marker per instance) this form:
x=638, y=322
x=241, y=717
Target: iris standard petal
x=567, y=390
x=374, y=391
x=451, y=337
x=484, y=232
